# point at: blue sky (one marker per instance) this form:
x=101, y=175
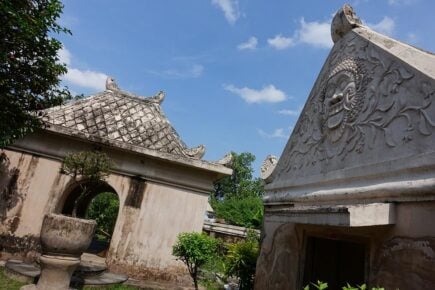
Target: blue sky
x=235, y=72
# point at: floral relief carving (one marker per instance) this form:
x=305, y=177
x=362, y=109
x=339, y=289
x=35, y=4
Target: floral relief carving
x=362, y=99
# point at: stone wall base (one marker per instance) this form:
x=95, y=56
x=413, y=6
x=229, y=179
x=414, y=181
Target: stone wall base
x=171, y=277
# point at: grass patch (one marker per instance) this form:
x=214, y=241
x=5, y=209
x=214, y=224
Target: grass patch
x=112, y=287
x=7, y=283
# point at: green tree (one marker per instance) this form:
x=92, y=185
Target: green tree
x=244, y=211
x=194, y=250
x=241, y=183
x=104, y=210
x=237, y=198
x=88, y=169
x=241, y=261
x=29, y=65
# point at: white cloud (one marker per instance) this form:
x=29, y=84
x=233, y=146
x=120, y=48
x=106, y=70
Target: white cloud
x=401, y=2
x=64, y=56
x=281, y=42
x=230, y=9
x=191, y=71
x=251, y=43
x=268, y=94
x=293, y=113
x=385, y=26
x=412, y=38
x=315, y=33
x=277, y=133
x=86, y=78
x=83, y=78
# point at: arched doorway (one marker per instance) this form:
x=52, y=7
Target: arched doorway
x=101, y=203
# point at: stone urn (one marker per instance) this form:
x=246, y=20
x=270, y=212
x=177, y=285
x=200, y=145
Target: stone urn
x=66, y=236
x=63, y=240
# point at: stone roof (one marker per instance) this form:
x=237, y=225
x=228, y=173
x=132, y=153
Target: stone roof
x=121, y=116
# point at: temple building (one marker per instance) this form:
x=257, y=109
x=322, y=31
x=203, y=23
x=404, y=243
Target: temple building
x=352, y=197
x=162, y=185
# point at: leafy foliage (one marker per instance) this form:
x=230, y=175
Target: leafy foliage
x=194, y=250
x=29, y=64
x=91, y=166
x=322, y=285
x=241, y=261
x=104, y=210
x=241, y=183
x=245, y=212
x=237, y=198
x=319, y=285
x=211, y=275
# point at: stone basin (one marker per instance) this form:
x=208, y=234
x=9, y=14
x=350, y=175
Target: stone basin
x=66, y=236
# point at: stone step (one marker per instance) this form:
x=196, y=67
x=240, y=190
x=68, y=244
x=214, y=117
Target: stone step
x=84, y=275
x=105, y=278
x=89, y=270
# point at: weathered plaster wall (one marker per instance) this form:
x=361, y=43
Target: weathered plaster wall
x=151, y=215
x=400, y=256
x=29, y=187
x=149, y=225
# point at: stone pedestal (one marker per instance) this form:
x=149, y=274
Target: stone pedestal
x=56, y=272
x=63, y=240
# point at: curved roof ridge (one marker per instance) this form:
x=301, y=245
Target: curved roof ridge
x=122, y=116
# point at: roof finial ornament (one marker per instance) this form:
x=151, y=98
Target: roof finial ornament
x=227, y=160
x=158, y=98
x=344, y=21
x=196, y=153
x=111, y=84
x=268, y=166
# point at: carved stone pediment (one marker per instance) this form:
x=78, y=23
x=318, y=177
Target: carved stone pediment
x=372, y=106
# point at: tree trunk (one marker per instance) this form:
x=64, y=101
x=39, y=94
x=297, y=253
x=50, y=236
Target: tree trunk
x=79, y=198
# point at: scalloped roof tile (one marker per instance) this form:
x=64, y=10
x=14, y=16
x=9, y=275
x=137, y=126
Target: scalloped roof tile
x=121, y=116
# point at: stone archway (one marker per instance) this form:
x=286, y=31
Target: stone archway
x=73, y=201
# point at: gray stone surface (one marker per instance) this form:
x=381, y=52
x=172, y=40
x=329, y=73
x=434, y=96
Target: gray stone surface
x=84, y=275
x=31, y=270
x=360, y=215
x=66, y=235
x=367, y=126
x=344, y=21
x=358, y=168
x=121, y=116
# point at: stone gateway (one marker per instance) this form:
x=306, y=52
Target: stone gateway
x=352, y=198
x=162, y=185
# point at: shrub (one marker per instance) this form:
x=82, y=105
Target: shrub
x=322, y=285
x=241, y=261
x=237, y=198
x=194, y=250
